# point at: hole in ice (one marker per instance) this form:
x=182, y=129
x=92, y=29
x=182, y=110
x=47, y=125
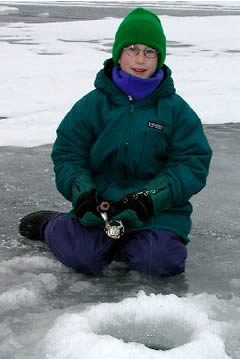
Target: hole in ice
x=154, y=335
x=174, y=327
x=155, y=329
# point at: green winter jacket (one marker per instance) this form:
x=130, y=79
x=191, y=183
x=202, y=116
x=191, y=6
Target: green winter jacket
x=120, y=145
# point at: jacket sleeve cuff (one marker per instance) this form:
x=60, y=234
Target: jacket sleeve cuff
x=161, y=194
x=82, y=184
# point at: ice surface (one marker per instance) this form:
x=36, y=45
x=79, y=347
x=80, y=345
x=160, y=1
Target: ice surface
x=144, y=326
x=48, y=311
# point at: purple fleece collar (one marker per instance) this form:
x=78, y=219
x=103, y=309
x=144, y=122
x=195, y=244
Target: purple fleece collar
x=134, y=86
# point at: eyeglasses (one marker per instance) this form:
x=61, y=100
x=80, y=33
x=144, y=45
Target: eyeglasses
x=148, y=52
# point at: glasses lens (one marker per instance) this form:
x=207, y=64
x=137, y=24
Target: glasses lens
x=151, y=53
x=132, y=50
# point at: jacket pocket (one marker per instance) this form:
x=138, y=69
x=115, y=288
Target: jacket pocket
x=155, y=145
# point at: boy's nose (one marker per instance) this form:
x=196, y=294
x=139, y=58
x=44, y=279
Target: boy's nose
x=140, y=57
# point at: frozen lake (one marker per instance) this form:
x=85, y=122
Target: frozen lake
x=58, y=11
x=50, y=312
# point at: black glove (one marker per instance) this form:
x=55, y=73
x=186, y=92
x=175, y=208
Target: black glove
x=148, y=203
x=87, y=202
x=140, y=202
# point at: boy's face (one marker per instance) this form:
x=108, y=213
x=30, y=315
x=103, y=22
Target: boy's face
x=138, y=65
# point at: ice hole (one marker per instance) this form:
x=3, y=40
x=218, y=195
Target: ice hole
x=154, y=334
x=175, y=327
x=164, y=326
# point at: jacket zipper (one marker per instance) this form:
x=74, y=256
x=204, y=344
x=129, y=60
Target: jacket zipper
x=130, y=99
x=131, y=102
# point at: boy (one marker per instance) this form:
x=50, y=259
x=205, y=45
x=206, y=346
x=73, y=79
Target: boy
x=134, y=146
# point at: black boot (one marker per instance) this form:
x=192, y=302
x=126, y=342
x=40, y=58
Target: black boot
x=30, y=225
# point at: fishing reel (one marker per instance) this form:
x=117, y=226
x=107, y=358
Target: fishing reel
x=114, y=229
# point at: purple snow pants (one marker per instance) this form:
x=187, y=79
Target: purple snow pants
x=89, y=250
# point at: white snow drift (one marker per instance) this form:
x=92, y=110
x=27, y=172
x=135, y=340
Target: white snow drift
x=146, y=327
x=46, y=68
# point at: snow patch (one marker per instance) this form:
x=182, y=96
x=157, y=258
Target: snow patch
x=30, y=264
x=8, y=10
x=16, y=298
x=47, y=67
x=44, y=14
x=175, y=327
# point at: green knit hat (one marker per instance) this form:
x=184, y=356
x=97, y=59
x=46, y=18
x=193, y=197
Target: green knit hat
x=140, y=26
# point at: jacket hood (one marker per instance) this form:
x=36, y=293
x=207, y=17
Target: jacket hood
x=103, y=82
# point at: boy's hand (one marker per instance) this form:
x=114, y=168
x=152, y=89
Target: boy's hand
x=87, y=202
x=129, y=219
x=141, y=203
x=145, y=204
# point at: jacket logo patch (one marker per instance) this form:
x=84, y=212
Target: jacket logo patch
x=155, y=125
